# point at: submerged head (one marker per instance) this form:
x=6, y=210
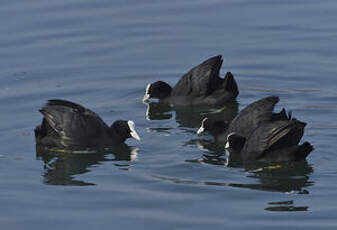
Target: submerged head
x=213, y=127
x=159, y=90
x=235, y=141
x=124, y=130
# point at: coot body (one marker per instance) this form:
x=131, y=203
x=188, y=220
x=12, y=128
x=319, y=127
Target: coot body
x=67, y=124
x=200, y=86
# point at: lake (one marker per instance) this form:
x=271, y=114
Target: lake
x=102, y=54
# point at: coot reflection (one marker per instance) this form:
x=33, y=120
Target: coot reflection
x=62, y=166
x=189, y=117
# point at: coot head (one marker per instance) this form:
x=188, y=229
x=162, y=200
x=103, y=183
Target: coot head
x=158, y=89
x=215, y=128
x=124, y=130
x=235, y=142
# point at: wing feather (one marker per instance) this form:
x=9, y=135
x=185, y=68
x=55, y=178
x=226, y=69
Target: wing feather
x=71, y=121
x=200, y=80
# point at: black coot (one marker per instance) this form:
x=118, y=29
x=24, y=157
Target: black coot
x=245, y=122
x=200, y=86
x=66, y=124
x=273, y=141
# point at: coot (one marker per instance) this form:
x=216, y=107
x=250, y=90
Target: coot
x=200, y=86
x=67, y=124
x=272, y=141
x=245, y=122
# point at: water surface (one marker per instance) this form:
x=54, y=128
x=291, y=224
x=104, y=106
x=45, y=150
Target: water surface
x=103, y=53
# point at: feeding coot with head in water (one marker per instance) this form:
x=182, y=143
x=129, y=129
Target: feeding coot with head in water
x=66, y=125
x=200, y=86
x=258, y=134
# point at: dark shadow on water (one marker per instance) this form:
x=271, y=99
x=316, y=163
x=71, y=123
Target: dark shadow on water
x=274, y=177
x=285, y=178
x=285, y=206
x=288, y=177
x=189, y=116
x=61, y=166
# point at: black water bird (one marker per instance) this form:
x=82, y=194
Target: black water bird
x=257, y=133
x=245, y=122
x=200, y=86
x=66, y=124
x=272, y=141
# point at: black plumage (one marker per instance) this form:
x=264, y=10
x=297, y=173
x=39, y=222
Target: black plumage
x=277, y=141
x=245, y=122
x=259, y=134
x=200, y=86
x=67, y=124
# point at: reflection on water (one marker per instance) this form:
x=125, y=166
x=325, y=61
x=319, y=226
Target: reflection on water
x=61, y=166
x=208, y=145
x=216, y=153
x=285, y=178
x=190, y=116
x=158, y=111
x=159, y=130
x=102, y=53
x=285, y=206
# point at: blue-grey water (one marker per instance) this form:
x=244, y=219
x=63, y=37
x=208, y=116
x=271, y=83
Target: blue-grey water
x=103, y=53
